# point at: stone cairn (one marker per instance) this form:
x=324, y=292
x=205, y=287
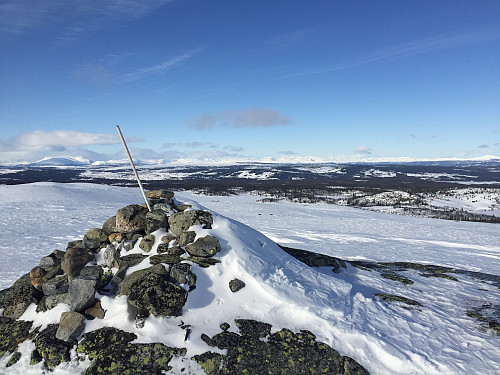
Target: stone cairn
x=74, y=277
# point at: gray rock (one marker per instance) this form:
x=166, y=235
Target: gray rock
x=95, y=272
x=49, y=261
x=165, y=258
x=204, y=247
x=182, y=221
x=89, y=244
x=165, y=207
x=162, y=248
x=74, y=261
x=147, y=243
x=70, y=326
x=57, y=285
x=179, y=272
x=236, y=285
x=82, y=292
x=155, y=220
x=53, y=272
x=186, y=237
x=55, y=299
x=168, y=237
x=131, y=218
x=111, y=256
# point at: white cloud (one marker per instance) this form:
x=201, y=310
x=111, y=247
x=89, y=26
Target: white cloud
x=363, y=150
x=32, y=146
x=245, y=118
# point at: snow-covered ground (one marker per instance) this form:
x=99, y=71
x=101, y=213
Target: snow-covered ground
x=341, y=309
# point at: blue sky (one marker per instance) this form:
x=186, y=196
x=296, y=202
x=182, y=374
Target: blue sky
x=210, y=81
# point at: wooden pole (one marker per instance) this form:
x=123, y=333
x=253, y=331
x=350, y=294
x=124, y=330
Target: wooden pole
x=133, y=167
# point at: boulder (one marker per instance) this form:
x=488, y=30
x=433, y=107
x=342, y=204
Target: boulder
x=116, y=237
x=19, y=296
x=168, y=237
x=74, y=261
x=151, y=290
x=55, y=299
x=57, y=285
x=71, y=325
x=131, y=218
x=182, y=274
x=37, y=277
x=157, y=295
x=82, y=292
x=132, y=278
x=155, y=220
x=204, y=247
x=147, y=243
x=182, y=221
x=236, y=285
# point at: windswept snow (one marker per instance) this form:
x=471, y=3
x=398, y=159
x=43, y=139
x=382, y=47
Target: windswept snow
x=437, y=338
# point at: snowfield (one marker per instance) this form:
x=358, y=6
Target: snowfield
x=340, y=308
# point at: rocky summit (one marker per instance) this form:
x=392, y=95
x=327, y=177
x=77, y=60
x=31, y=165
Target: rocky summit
x=148, y=267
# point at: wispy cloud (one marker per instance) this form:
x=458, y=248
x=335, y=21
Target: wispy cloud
x=483, y=146
x=142, y=72
x=73, y=19
x=411, y=49
x=287, y=152
x=363, y=150
x=245, y=118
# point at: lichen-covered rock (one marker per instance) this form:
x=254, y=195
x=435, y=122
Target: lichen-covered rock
x=155, y=220
x=204, y=262
x=159, y=194
x=71, y=325
x=131, y=218
x=236, y=285
x=128, y=281
x=131, y=260
x=256, y=351
x=147, y=243
x=110, y=225
x=204, y=247
x=14, y=359
x=49, y=302
x=52, y=350
x=12, y=332
x=50, y=261
x=97, y=234
x=74, y=261
x=157, y=295
x=112, y=353
x=165, y=258
x=182, y=221
x=19, y=296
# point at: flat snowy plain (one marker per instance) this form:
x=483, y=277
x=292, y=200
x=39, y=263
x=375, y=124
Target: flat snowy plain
x=341, y=309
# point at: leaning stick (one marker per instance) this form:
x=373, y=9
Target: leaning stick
x=133, y=167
